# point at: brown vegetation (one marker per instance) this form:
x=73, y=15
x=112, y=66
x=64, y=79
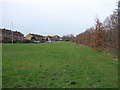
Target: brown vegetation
x=103, y=36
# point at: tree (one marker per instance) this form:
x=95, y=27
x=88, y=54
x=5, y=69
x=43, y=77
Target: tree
x=7, y=40
x=92, y=37
x=98, y=36
x=33, y=38
x=111, y=27
x=104, y=35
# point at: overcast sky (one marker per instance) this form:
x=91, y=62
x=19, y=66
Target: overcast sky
x=53, y=17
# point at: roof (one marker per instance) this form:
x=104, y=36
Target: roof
x=10, y=31
x=36, y=35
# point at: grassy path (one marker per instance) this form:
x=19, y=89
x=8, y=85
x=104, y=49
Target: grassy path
x=57, y=65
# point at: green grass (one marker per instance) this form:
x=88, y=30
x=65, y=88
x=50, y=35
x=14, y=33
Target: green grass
x=57, y=65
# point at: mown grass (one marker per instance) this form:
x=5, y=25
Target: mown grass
x=57, y=65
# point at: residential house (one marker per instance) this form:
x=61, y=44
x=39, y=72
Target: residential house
x=56, y=38
x=16, y=35
x=34, y=37
x=48, y=38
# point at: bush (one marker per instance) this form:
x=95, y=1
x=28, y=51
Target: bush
x=33, y=38
x=16, y=41
x=26, y=41
x=7, y=40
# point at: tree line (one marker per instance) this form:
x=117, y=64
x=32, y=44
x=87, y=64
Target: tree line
x=104, y=35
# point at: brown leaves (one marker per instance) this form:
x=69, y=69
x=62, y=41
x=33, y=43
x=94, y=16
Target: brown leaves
x=98, y=38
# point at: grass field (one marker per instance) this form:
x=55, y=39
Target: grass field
x=57, y=65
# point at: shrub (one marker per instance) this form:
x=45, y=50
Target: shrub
x=7, y=40
x=26, y=41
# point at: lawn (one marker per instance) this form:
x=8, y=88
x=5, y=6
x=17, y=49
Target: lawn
x=57, y=65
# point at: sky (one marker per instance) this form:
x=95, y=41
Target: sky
x=53, y=17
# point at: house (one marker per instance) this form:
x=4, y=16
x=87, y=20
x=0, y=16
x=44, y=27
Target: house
x=18, y=35
x=56, y=38
x=0, y=35
x=6, y=33
x=52, y=38
x=35, y=37
x=48, y=38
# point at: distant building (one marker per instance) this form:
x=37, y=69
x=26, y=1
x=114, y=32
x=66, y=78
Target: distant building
x=18, y=35
x=56, y=38
x=35, y=37
x=0, y=35
x=11, y=34
x=48, y=38
x=53, y=38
